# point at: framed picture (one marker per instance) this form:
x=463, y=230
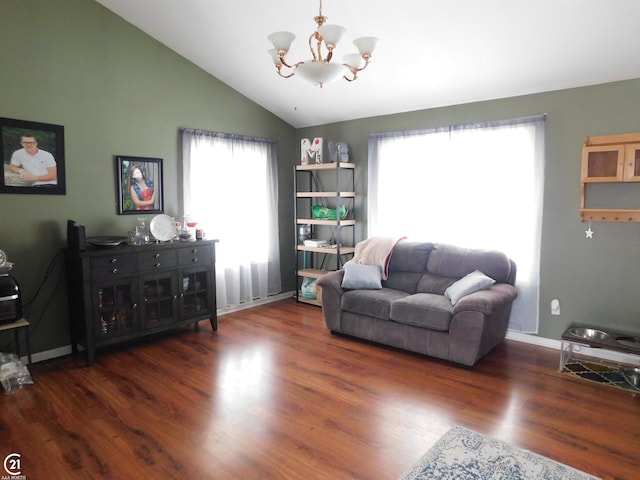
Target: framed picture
x=32, y=157
x=140, y=188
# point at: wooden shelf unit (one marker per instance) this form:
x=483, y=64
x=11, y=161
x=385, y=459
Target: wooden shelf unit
x=609, y=159
x=327, y=250
x=326, y=166
x=317, y=258
x=315, y=221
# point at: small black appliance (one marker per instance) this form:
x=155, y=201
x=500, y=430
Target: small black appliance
x=10, y=302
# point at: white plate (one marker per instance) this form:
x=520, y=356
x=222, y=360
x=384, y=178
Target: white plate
x=162, y=227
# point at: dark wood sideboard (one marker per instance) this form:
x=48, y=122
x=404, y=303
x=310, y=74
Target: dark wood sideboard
x=117, y=294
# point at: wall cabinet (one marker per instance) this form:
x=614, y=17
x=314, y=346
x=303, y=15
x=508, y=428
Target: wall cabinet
x=121, y=293
x=310, y=182
x=610, y=159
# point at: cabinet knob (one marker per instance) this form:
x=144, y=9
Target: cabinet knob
x=135, y=305
x=114, y=260
x=194, y=259
x=114, y=271
x=195, y=250
x=157, y=265
x=157, y=255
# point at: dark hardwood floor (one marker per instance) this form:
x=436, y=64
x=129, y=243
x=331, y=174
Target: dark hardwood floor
x=273, y=395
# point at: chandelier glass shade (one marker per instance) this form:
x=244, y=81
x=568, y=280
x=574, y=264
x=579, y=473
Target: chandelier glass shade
x=320, y=69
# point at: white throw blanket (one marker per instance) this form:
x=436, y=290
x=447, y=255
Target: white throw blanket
x=376, y=251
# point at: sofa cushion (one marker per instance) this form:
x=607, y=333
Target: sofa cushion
x=470, y=283
x=405, y=281
x=374, y=303
x=427, y=310
x=358, y=276
x=456, y=262
x=407, y=264
x=431, y=283
x=410, y=256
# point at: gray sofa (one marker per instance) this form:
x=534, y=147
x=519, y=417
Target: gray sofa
x=411, y=311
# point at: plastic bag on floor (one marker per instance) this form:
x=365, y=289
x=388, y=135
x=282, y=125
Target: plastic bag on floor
x=308, y=289
x=13, y=373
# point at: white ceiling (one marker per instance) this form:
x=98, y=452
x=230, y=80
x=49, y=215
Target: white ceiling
x=432, y=53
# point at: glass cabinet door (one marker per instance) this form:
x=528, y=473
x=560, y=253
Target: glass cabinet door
x=603, y=163
x=632, y=163
x=195, y=299
x=116, y=308
x=159, y=300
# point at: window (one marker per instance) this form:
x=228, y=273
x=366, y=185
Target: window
x=472, y=185
x=230, y=186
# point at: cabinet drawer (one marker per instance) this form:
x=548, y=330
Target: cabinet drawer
x=113, y=265
x=156, y=259
x=195, y=254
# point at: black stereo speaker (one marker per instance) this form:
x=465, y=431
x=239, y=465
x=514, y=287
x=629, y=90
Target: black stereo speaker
x=75, y=236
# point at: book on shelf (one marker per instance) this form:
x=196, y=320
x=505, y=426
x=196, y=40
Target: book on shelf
x=316, y=243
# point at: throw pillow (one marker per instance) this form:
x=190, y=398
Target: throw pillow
x=358, y=276
x=468, y=284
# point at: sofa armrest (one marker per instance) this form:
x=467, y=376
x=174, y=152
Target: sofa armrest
x=487, y=301
x=331, y=284
x=332, y=281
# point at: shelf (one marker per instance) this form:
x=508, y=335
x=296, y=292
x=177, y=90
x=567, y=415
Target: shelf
x=326, y=166
x=612, y=159
x=328, y=250
x=315, y=221
x=312, y=272
x=612, y=139
x=310, y=301
x=609, y=215
x=325, y=194
x=308, y=187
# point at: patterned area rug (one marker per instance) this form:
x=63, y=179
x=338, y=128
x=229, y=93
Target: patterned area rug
x=604, y=373
x=463, y=454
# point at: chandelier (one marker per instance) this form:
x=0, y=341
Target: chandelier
x=319, y=69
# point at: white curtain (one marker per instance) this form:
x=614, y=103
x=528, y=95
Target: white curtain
x=475, y=185
x=230, y=185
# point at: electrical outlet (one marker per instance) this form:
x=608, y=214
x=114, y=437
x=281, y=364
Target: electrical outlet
x=555, y=307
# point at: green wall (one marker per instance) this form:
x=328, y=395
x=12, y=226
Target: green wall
x=596, y=280
x=116, y=91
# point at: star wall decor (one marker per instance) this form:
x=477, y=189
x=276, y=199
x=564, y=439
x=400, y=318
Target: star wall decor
x=589, y=232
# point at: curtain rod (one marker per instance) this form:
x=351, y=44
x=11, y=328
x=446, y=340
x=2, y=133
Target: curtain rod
x=227, y=136
x=464, y=126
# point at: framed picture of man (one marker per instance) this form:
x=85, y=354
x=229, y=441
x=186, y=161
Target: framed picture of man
x=140, y=188
x=32, y=157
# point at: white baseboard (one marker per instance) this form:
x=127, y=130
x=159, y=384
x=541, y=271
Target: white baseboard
x=48, y=354
x=516, y=336
x=255, y=303
x=66, y=350
x=619, y=357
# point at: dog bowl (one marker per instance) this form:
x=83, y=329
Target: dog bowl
x=629, y=341
x=589, y=333
x=632, y=376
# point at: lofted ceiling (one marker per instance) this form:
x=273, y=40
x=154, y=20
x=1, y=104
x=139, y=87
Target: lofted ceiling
x=432, y=53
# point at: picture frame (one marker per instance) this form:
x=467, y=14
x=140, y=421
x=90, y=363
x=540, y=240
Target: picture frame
x=33, y=158
x=141, y=195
